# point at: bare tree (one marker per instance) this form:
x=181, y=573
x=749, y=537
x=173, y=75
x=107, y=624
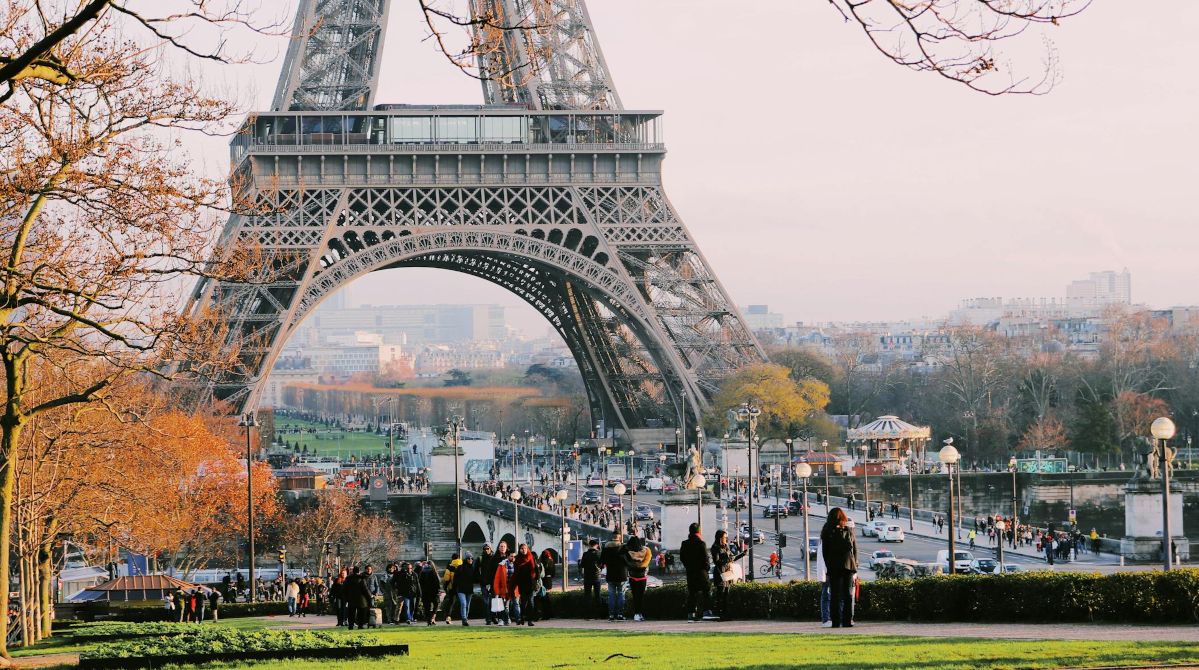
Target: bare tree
x=961, y=40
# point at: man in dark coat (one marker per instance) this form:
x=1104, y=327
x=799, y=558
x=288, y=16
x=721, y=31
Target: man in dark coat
x=589, y=566
x=839, y=549
x=693, y=552
x=430, y=589
x=612, y=558
x=358, y=599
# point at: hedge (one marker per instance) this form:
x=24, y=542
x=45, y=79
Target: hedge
x=121, y=612
x=1161, y=597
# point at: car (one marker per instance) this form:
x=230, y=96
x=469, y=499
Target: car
x=738, y=502
x=669, y=488
x=591, y=498
x=794, y=507
x=759, y=536
x=891, y=533
x=654, y=484
x=985, y=566
x=614, y=502
x=773, y=510
x=879, y=558
x=644, y=513
x=962, y=560
x=872, y=528
x=595, y=481
x=1013, y=568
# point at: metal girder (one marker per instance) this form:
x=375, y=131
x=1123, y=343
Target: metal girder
x=541, y=53
x=333, y=58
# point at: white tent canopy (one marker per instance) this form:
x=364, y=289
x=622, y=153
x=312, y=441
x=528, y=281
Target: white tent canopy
x=890, y=428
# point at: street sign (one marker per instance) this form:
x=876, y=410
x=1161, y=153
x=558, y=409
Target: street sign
x=1073, y=516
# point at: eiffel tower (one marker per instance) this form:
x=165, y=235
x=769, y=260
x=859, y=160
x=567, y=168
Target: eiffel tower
x=551, y=189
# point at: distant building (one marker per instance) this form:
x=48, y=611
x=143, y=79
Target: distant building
x=1100, y=289
x=406, y=324
x=759, y=317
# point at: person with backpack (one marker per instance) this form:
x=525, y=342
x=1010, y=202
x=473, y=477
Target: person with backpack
x=612, y=558
x=638, y=556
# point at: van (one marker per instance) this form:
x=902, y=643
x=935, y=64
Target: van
x=654, y=484
x=962, y=560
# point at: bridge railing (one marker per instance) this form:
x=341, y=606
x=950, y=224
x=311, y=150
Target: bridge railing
x=548, y=522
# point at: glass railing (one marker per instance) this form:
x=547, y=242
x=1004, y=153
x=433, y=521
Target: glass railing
x=464, y=126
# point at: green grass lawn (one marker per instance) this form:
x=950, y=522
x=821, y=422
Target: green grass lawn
x=330, y=442
x=480, y=647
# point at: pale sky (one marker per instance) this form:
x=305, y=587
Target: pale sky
x=831, y=184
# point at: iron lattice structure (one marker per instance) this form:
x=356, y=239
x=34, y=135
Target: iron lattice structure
x=552, y=191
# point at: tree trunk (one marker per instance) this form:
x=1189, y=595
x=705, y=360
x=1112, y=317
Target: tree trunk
x=10, y=433
x=46, y=577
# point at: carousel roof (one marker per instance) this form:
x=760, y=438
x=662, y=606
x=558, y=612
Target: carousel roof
x=889, y=428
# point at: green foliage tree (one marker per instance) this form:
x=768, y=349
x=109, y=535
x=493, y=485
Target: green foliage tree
x=1094, y=427
x=458, y=377
x=786, y=403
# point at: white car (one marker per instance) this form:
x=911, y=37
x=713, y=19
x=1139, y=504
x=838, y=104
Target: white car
x=873, y=528
x=879, y=558
x=962, y=560
x=891, y=533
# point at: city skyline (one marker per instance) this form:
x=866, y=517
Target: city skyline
x=1030, y=192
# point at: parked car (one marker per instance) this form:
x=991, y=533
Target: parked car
x=891, y=533
x=985, y=566
x=654, y=484
x=759, y=536
x=772, y=510
x=595, y=481
x=644, y=513
x=962, y=560
x=879, y=558
x=872, y=528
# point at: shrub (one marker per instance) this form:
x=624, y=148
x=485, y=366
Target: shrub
x=225, y=641
x=1171, y=597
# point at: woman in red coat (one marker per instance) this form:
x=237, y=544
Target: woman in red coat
x=502, y=588
x=525, y=576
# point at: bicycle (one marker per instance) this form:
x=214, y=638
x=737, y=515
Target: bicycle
x=777, y=569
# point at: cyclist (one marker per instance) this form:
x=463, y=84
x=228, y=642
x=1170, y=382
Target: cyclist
x=774, y=561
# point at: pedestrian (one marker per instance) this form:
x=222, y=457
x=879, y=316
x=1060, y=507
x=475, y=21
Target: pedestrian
x=840, y=551
x=524, y=568
x=485, y=575
x=337, y=594
x=214, y=604
x=408, y=594
x=447, y=583
x=723, y=559
x=693, y=553
x=430, y=590
x=464, y=585
x=612, y=558
x=390, y=602
x=358, y=600
x=637, y=557
x=501, y=589
x=589, y=567
x=547, y=573
x=293, y=597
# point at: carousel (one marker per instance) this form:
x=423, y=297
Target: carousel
x=890, y=442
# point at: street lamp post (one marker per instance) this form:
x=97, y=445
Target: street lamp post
x=866, y=477
x=699, y=506
x=576, y=459
x=603, y=467
x=528, y=457
x=1000, y=526
x=512, y=456
x=824, y=446
x=949, y=456
x=633, y=505
x=249, y=421
x=749, y=414
x=619, y=491
x=678, y=443
x=1162, y=430
x=790, y=470
x=911, y=496
x=562, y=495
x=554, y=458
x=804, y=471
x=516, y=496
x=1012, y=465
x=453, y=432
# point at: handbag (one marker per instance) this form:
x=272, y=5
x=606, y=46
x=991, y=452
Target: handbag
x=497, y=604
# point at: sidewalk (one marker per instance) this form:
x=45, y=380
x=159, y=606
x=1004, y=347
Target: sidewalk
x=927, y=529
